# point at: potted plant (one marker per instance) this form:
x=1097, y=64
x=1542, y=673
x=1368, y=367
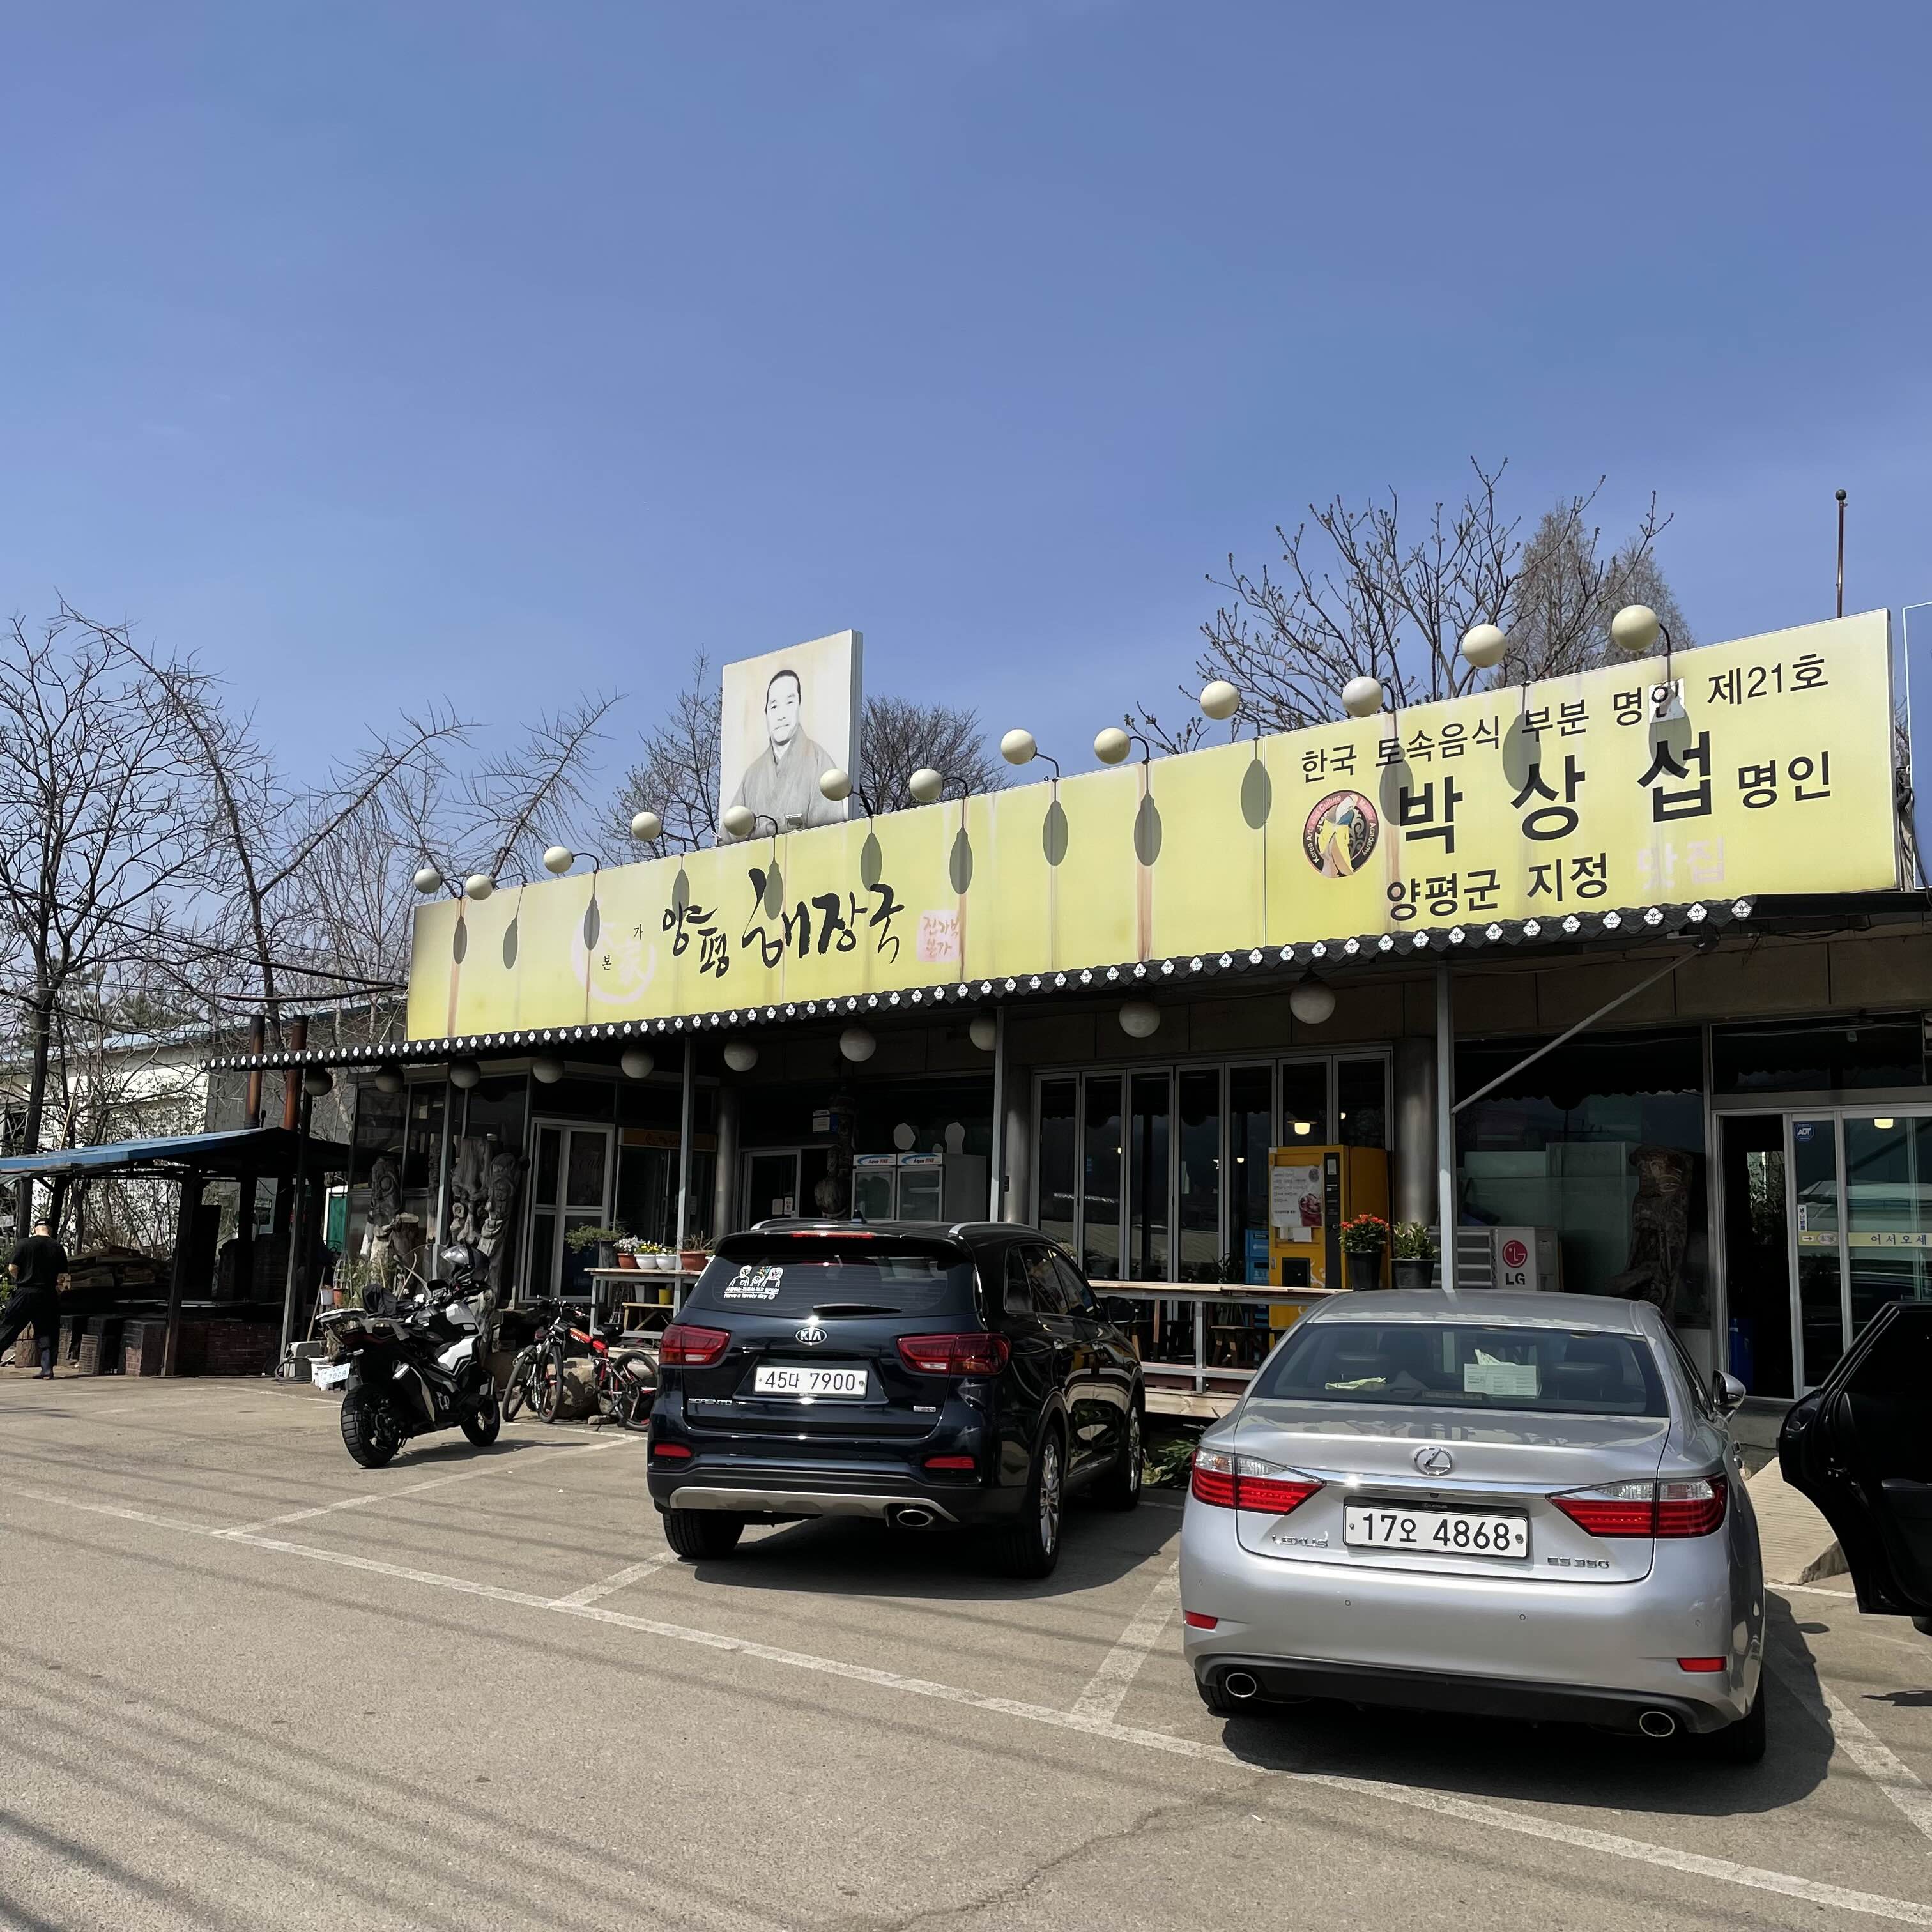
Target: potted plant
x=1414, y=1254
x=603, y=1240
x=1364, y=1239
x=627, y=1251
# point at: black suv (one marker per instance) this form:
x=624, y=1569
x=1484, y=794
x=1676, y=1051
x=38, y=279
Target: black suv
x=928, y=1376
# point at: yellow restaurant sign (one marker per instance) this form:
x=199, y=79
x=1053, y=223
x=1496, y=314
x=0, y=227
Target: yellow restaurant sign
x=1763, y=766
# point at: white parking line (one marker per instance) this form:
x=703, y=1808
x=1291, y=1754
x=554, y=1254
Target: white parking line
x=1110, y=1683
x=610, y=1585
x=493, y=1466
x=1494, y=1817
x=1850, y=1733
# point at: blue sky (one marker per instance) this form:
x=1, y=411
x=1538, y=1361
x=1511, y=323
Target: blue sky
x=495, y=352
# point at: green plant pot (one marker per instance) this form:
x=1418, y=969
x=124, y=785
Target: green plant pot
x=1414, y=1271
x=1365, y=1271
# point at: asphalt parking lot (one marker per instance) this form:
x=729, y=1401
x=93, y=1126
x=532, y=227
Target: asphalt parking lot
x=249, y=1684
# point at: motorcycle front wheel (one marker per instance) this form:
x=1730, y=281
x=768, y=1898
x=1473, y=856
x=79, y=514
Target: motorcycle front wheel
x=484, y=1423
x=372, y=1429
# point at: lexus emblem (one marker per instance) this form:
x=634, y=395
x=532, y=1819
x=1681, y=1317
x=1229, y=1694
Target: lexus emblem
x=1430, y=1462
x=810, y=1335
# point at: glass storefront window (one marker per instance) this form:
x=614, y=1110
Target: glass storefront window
x=1888, y=1211
x=1557, y=1146
x=1147, y=1176
x=1304, y=1102
x=1200, y=1175
x=1057, y=1162
x=1100, y=1180
x=1361, y=1102
x=1250, y=1135
x=1814, y=1177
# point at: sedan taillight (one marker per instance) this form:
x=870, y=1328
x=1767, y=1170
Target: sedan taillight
x=685, y=1346
x=1247, y=1483
x=977, y=1353
x=1682, y=1507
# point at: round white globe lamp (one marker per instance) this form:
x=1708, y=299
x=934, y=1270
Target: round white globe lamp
x=856, y=1044
x=427, y=880
x=1485, y=645
x=1019, y=746
x=1140, y=1019
x=1220, y=699
x=1362, y=697
x=478, y=886
x=984, y=1032
x=547, y=1069
x=1634, y=629
x=740, y=1055
x=464, y=1074
x=926, y=784
x=1112, y=745
x=835, y=784
x=636, y=1063
x=646, y=827
x=1312, y=1003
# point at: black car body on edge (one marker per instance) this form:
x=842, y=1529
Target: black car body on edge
x=1860, y=1446
x=932, y=1376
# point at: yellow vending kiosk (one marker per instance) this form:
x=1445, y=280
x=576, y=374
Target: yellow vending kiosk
x=1312, y=1191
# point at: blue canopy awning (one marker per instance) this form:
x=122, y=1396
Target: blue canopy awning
x=237, y=1154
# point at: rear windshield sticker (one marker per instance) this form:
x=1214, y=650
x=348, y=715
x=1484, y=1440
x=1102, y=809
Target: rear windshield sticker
x=753, y=1284
x=1486, y=1376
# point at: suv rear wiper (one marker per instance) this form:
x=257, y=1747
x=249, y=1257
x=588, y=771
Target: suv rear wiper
x=854, y=1308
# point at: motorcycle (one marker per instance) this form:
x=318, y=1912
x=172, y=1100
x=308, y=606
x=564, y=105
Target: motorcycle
x=423, y=1367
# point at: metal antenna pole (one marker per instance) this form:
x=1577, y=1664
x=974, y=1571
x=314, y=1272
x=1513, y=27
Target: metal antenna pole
x=1841, y=553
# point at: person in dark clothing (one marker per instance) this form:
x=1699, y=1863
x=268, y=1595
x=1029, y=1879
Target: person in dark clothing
x=38, y=1265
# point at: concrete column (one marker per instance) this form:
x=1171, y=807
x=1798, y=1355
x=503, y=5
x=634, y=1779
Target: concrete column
x=1017, y=1107
x=724, y=1187
x=1414, y=1189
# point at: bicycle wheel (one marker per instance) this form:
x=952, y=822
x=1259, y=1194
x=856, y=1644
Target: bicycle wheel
x=549, y=1398
x=516, y=1389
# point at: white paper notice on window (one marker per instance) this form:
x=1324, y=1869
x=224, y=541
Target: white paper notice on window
x=1294, y=1200
x=1500, y=1379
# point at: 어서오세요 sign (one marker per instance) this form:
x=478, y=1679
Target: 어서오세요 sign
x=1770, y=771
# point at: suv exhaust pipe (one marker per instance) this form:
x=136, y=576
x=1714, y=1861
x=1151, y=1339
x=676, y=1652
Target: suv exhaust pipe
x=1657, y=1724
x=1240, y=1685
x=914, y=1515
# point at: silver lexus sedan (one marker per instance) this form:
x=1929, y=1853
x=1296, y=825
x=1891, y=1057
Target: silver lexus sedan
x=1514, y=1505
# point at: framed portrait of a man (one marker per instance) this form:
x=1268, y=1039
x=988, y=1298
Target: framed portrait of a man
x=790, y=716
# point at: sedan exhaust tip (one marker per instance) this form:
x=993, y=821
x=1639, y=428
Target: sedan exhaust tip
x=1657, y=1724
x=1240, y=1685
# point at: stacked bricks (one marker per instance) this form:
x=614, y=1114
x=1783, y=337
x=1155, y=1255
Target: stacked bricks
x=143, y=1344
x=101, y=1346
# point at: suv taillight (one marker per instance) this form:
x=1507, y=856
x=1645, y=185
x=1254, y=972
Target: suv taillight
x=686, y=1346
x=1682, y=1506
x=1247, y=1483
x=978, y=1354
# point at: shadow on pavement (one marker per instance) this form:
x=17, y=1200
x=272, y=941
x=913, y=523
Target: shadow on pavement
x=1554, y=1764
x=839, y=1557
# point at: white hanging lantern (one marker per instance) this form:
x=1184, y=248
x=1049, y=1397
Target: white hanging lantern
x=636, y=1063
x=1312, y=1003
x=388, y=1081
x=558, y=860
x=740, y=1055
x=984, y=1032
x=464, y=1074
x=856, y=1044
x=1140, y=1019
x=547, y=1069
x=318, y=1083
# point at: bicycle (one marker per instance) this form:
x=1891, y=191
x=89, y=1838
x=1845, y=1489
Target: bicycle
x=625, y=1379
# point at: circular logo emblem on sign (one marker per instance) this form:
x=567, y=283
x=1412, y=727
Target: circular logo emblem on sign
x=1514, y=1254
x=1340, y=834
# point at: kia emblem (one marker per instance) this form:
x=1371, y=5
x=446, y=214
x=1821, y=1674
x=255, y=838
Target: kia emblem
x=1434, y=1461
x=810, y=1335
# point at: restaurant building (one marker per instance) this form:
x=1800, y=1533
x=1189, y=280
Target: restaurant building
x=1631, y=966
